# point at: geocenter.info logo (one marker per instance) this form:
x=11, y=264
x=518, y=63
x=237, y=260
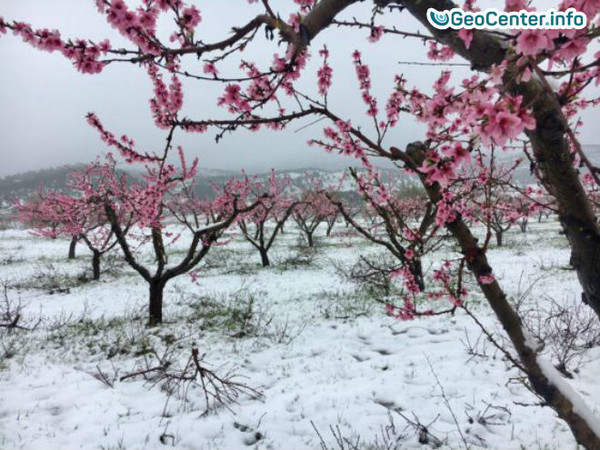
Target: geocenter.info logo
x=493, y=18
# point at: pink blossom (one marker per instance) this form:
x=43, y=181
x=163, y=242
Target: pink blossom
x=210, y=68
x=497, y=73
x=376, y=33
x=516, y=5
x=533, y=42
x=487, y=279
x=305, y=5
x=466, y=36
x=324, y=75
x=190, y=18
x=572, y=48
x=294, y=21
x=439, y=53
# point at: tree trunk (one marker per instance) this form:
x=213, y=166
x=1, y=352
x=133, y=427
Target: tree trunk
x=155, y=307
x=309, y=239
x=523, y=225
x=555, y=396
x=416, y=269
x=72, y=247
x=549, y=143
x=96, y=265
x=499, y=238
x=329, y=228
x=264, y=257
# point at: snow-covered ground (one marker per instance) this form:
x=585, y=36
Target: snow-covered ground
x=329, y=362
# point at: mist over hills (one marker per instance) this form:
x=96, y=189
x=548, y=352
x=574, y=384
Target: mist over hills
x=26, y=184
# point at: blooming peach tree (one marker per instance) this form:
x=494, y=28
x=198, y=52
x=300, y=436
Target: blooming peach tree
x=405, y=227
x=161, y=210
x=52, y=214
x=263, y=224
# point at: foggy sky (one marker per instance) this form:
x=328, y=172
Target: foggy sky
x=43, y=99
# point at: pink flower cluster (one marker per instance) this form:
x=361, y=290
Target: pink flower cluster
x=138, y=26
x=506, y=120
x=410, y=284
x=439, y=52
x=124, y=145
x=445, y=277
x=234, y=100
x=559, y=45
x=395, y=101
x=210, y=68
x=340, y=139
x=190, y=18
x=477, y=110
x=85, y=55
x=290, y=66
x=167, y=100
x=325, y=73
x=272, y=197
x=407, y=312
x=80, y=215
x=364, y=78
x=260, y=88
x=376, y=33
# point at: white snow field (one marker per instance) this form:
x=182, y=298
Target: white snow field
x=335, y=371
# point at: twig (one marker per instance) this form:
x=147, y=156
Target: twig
x=447, y=402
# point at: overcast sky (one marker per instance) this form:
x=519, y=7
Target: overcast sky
x=43, y=99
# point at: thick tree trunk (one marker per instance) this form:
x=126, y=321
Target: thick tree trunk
x=96, y=265
x=264, y=257
x=155, y=308
x=72, y=246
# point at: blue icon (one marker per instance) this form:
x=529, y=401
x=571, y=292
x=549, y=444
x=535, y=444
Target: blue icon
x=440, y=19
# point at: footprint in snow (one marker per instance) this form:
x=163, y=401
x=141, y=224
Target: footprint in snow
x=363, y=338
x=251, y=436
x=383, y=351
x=386, y=402
x=416, y=332
x=361, y=358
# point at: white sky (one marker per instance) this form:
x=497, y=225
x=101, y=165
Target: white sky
x=43, y=99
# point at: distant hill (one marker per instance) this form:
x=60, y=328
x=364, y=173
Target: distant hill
x=23, y=184
x=27, y=184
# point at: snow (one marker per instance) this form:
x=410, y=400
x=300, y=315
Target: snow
x=579, y=406
x=320, y=352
